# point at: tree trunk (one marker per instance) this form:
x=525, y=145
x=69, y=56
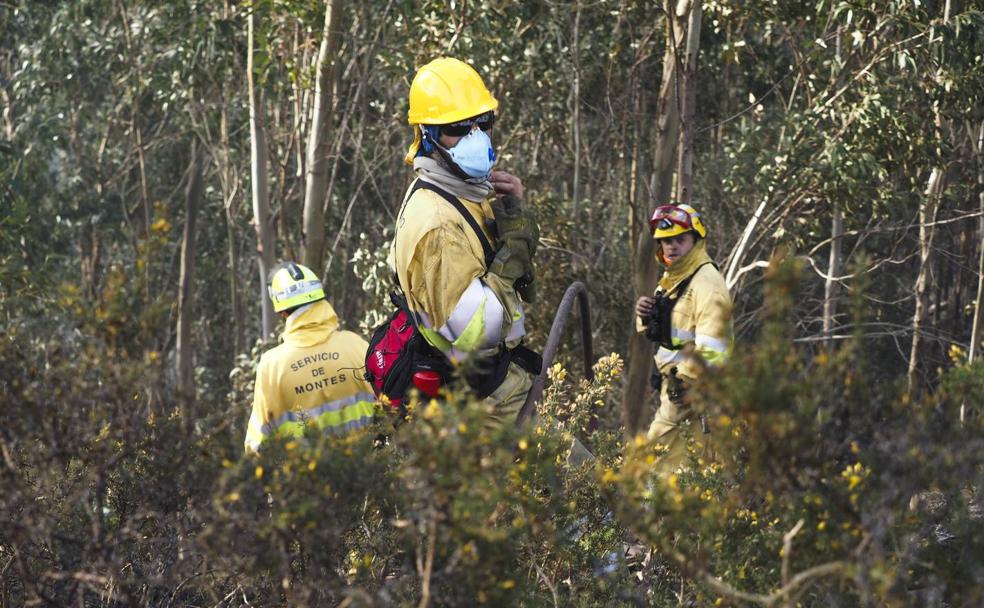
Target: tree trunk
x=184, y=351
x=638, y=133
x=927, y=214
x=89, y=257
x=639, y=358
x=316, y=184
x=230, y=193
x=261, y=191
x=688, y=106
x=833, y=271
x=576, y=128
x=975, y=330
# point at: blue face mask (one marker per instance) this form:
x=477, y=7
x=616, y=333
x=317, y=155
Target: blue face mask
x=474, y=155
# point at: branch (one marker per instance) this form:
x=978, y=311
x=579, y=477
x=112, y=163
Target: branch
x=428, y=564
x=746, y=269
x=787, y=549
x=552, y=587
x=960, y=218
x=799, y=580
x=857, y=76
x=826, y=277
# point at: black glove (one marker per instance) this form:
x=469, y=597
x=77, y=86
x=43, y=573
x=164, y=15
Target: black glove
x=518, y=235
x=526, y=287
x=654, y=329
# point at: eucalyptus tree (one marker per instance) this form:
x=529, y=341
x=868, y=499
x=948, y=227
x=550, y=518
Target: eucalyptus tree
x=827, y=133
x=319, y=144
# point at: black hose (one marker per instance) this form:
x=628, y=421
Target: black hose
x=580, y=292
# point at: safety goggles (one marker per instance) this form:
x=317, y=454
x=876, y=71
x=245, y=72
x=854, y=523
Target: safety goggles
x=464, y=127
x=667, y=215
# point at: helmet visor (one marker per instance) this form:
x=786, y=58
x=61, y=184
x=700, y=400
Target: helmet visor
x=666, y=216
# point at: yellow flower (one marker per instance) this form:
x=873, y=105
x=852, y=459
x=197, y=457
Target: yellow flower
x=161, y=225
x=259, y=471
x=956, y=353
x=522, y=444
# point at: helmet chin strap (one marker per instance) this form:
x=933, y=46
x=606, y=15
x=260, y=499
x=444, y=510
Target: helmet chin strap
x=448, y=161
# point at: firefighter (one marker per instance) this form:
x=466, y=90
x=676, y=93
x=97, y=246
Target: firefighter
x=689, y=318
x=314, y=377
x=465, y=239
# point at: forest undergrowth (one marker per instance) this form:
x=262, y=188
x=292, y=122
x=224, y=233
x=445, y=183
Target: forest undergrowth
x=817, y=488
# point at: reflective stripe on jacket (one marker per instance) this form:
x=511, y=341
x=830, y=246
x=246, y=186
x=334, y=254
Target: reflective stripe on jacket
x=440, y=264
x=313, y=378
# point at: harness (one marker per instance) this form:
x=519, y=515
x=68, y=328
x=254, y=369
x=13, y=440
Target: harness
x=482, y=374
x=659, y=325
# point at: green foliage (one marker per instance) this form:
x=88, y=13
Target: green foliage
x=875, y=504
x=149, y=507
x=116, y=495
x=369, y=265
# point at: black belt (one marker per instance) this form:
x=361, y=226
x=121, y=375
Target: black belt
x=486, y=374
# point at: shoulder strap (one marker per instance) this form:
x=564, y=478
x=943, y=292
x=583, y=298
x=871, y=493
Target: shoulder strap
x=681, y=287
x=486, y=246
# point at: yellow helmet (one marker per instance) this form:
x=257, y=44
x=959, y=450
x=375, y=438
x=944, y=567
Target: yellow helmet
x=671, y=220
x=294, y=285
x=444, y=91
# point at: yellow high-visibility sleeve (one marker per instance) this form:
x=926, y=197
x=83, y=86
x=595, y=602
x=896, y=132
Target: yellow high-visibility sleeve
x=440, y=263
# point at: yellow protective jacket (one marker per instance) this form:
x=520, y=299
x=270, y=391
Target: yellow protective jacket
x=314, y=377
x=440, y=264
x=701, y=326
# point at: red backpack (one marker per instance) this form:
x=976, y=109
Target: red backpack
x=398, y=351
